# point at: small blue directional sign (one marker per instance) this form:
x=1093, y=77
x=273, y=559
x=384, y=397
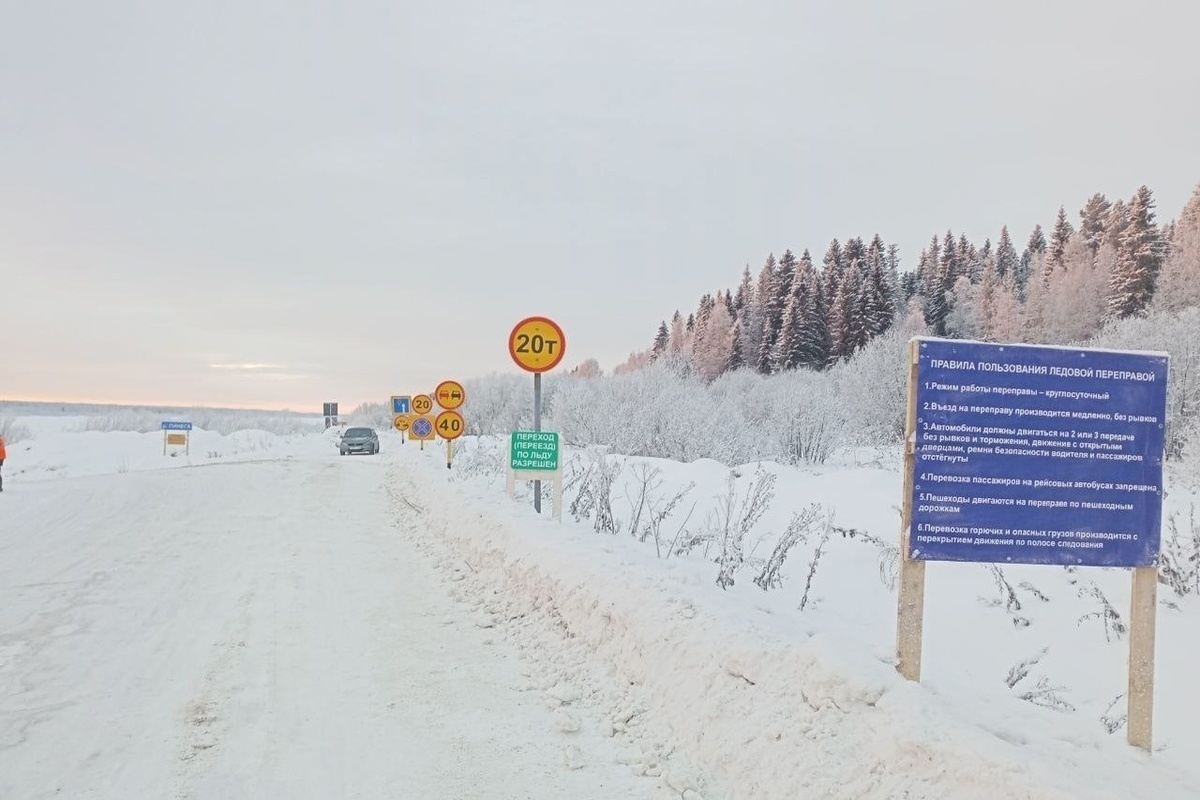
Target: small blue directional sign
x=422, y=426
x=402, y=404
x=176, y=426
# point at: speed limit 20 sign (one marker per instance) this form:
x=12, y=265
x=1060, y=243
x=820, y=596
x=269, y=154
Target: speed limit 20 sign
x=537, y=344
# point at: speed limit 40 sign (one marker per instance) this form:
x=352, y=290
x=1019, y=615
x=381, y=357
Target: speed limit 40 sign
x=537, y=344
x=449, y=425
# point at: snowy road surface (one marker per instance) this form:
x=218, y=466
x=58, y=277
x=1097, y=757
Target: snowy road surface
x=260, y=630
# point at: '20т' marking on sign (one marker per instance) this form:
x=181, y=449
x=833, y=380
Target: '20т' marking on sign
x=537, y=344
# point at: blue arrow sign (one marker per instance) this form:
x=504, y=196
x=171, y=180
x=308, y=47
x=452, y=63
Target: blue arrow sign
x=401, y=405
x=422, y=427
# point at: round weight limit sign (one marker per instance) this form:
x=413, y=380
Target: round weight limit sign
x=422, y=404
x=449, y=425
x=537, y=344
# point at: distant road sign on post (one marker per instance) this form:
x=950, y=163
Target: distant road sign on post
x=401, y=404
x=177, y=439
x=450, y=395
x=402, y=422
x=537, y=344
x=422, y=404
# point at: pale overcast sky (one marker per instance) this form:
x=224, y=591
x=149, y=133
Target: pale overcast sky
x=275, y=203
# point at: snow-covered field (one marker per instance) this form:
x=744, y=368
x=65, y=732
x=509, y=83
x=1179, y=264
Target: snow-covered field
x=262, y=618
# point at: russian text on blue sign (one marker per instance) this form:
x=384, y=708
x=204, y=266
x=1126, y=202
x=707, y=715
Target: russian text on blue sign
x=400, y=405
x=177, y=426
x=1038, y=455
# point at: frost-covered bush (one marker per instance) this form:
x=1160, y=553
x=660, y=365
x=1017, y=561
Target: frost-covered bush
x=873, y=389
x=499, y=404
x=1179, y=335
x=12, y=431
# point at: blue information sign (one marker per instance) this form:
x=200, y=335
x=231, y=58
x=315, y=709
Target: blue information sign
x=401, y=405
x=177, y=426
x=1038, y=455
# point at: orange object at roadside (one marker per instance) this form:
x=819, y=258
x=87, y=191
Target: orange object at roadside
x=2, y=454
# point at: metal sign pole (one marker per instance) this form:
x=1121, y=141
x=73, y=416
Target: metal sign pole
x=537, y=426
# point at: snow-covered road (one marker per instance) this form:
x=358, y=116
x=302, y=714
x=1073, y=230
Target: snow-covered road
x=260, y=630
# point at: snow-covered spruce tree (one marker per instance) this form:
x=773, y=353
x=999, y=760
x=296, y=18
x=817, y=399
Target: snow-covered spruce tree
x=1139, y=254
x=767, y=298
x=1093, y=220
x=1007, y=260
x=812, y=338
x=1034, y=247
x=1058, y=241
x=660, y=340
x=749, y=320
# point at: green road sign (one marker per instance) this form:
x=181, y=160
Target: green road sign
x=533, y=451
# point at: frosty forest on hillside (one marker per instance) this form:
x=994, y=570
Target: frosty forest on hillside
x=822, y=374
x=763, y=374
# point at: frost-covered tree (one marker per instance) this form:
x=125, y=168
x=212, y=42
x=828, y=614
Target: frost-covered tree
x=931, y=288
x=1115, y=223
x=878, y=296
x=788, y=350
x=963, y=321
x=832, y=266
x=749, y=314
x=844, y=330
x=1058, y=240
x=1139, y=254
x=735, y=347
x=714, y=342
x=767, y=297
x=1035, y=247
x=899, y=298
x=1093, y=219
x=1074, y=297
x=812, y=337
x=1007, y=260
x=660, y=341
x=678, y=335
x=589, y=368
x=1178, y=284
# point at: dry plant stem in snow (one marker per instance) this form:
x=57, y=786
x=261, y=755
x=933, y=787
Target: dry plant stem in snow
x=1113, y=624
x=733, y=520
x=799, y=527
x=1180, y=560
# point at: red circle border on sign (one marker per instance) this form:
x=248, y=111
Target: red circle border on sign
x=562, y=337
x=462, y=389
x=461, y=419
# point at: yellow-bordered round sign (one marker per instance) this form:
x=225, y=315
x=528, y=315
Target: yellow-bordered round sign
x=422, y=404
x=450, y=395
x=537, y=344
x=402, y=422
x=450, y=425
